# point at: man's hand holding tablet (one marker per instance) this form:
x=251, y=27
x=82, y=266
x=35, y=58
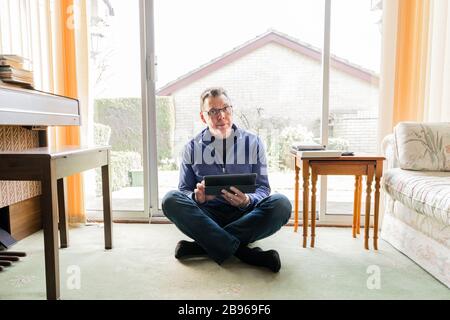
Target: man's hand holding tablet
x=232, y=187
x=200, y=195
x=237, y=198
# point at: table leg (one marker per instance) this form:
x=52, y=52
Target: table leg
x=370, y=171
x=378, y=174
x=63, y=221
x=313, y=206
x=305, y=200
x=107, y=216
x=358, y=208
x=355, y=206
x=49, y=205
x=296, y=195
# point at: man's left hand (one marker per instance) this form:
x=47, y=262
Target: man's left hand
x=236, y=198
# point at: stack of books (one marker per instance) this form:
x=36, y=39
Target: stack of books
x=16, y=70
x=313, y=150
x=307, y=146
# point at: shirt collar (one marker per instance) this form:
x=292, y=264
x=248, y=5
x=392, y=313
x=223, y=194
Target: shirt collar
x=206, y=136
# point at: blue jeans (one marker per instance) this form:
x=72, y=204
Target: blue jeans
x=221, y=235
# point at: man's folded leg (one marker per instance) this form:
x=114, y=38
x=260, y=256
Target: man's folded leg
x=268, y=216
x=186, y=214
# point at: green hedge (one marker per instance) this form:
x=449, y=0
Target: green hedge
x=121, y=164
x=165, y=121
x=124, y=117
x=118, y=122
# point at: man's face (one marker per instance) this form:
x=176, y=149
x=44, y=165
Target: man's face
x=219, y=122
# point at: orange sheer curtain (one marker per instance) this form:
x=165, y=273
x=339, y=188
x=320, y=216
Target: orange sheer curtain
x=54, y=35
x=411, y=60
x=67, y=86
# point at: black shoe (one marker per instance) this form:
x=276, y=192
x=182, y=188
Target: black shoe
x=255, y=256
x=187, y=249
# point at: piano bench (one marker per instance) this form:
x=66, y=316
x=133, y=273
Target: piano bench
x=51, y=166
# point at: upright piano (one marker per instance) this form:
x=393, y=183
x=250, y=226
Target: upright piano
x=25, y=116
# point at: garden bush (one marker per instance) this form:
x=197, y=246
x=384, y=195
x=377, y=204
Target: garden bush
x=124, y=117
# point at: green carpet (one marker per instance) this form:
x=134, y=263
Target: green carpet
x=142, y=266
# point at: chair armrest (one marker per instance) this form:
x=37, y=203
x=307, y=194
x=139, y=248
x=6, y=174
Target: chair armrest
x=389, y=151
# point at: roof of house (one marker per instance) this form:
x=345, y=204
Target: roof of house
x=260, y=41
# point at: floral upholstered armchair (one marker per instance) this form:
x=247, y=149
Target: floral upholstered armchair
x=417, y=188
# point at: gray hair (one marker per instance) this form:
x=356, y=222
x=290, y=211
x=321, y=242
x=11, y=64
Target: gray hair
x=212, y=92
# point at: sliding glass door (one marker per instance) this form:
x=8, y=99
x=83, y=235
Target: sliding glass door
x=355, y=49
x=116, y=106
x=269, y=57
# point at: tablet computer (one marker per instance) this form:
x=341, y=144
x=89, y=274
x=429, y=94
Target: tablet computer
x=246, y=182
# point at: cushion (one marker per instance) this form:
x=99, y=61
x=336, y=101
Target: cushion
x=423, y=191
x=423, y=146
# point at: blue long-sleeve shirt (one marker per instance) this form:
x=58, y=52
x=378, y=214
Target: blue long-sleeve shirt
x=202, y=156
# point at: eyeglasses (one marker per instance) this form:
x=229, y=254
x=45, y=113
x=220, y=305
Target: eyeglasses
x=215, y=112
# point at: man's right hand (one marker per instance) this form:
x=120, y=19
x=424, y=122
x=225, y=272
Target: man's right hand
x=200, y=195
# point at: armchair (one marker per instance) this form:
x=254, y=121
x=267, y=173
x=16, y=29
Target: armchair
x=417, y=189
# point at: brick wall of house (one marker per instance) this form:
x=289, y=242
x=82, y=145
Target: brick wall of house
x=360, y=129
x=286, y=87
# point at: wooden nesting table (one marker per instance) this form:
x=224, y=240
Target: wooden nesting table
x=358, y=165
